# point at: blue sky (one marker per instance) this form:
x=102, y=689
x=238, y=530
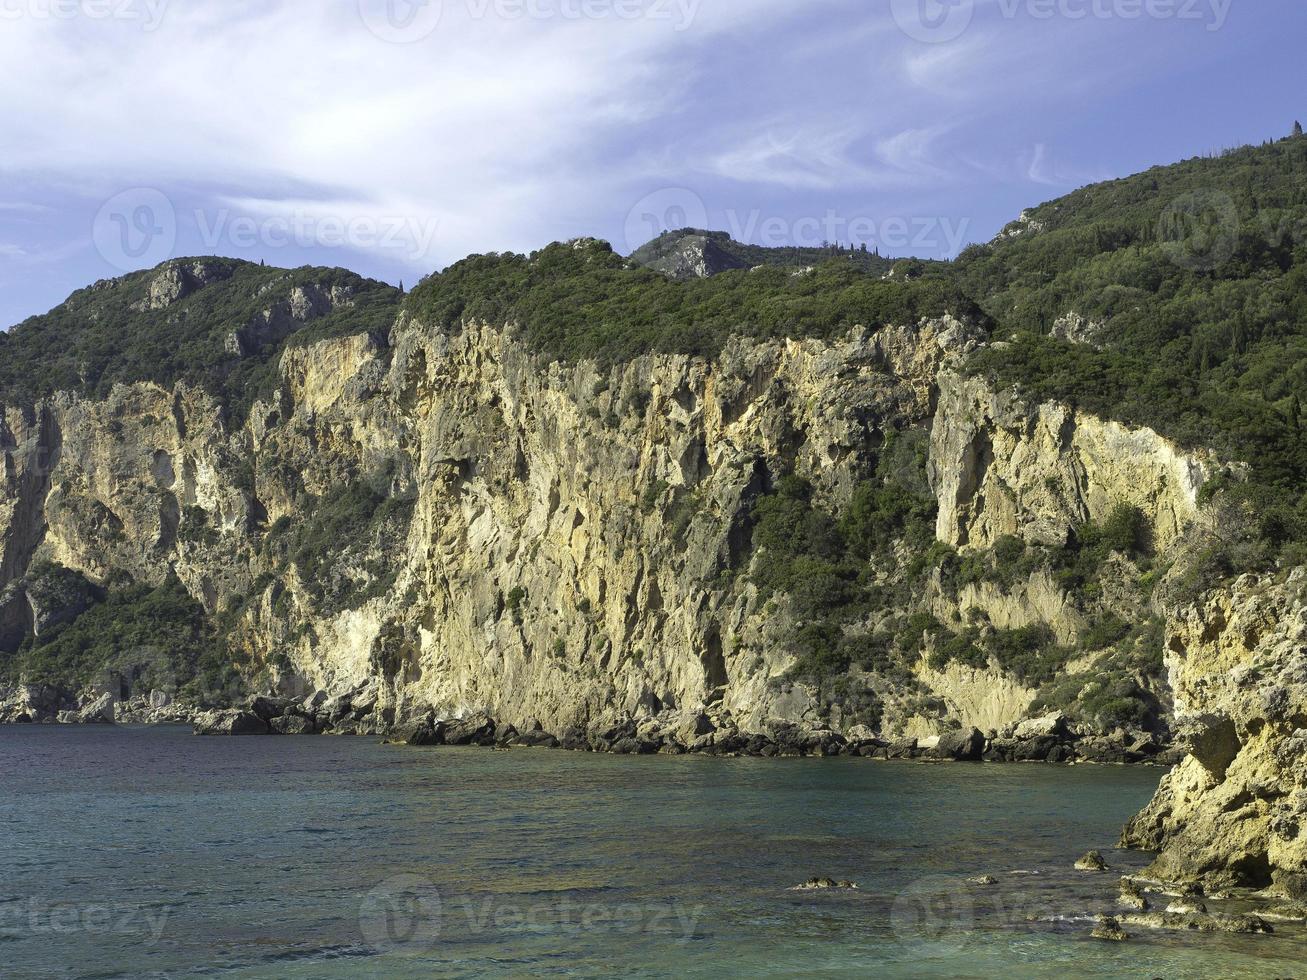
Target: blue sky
x=393, y=138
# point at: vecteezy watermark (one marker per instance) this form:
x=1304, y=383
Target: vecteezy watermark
x=138, y=229
x=675, y=208
x=148, y=14
x=401, y=913
x=405, y=914
x=409, y=21
x=303, y=229
x=668, y=209
x=1199, y=231
x=934, y=915
x=679, y=13
x=941, y=21
x=933, y=21
x=37, y=917
x=401, y=21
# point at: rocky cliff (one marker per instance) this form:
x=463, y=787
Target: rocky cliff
x=1234, y=813
x=447, y=522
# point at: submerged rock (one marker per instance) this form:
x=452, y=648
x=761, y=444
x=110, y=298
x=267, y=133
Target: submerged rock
x=821, y=884
x=1200, y=922
x=1109, y=929
x=1092, y=861
x=1132, y=897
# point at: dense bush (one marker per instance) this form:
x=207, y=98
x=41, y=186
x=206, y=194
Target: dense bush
x=358, y=517
x=822, y=563
x=160, y=630
x=581, y=300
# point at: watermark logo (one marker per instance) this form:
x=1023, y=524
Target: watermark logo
x=934, y=916
x=941, y=21
x=139, y=228
x=676, y=208
x=135, y=229
x=406, y=914
x=415, y=237
x=402, y=914
x=147, y=14
x=1200, y=231
x=933, y=21
x=679, y=13
x=922, y=233
x=401, y=21
x=668, y=209
x=36, y=917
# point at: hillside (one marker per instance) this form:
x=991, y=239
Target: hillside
x=1175, y=299
x=213, y=322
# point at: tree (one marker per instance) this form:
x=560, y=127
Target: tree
x=1297, y=129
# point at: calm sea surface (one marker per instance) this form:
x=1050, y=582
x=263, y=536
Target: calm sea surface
x=151, y=853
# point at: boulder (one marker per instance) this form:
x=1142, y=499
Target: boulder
x=1102, y=749
x=292, y=725
x=1109, y=929
x=536, y=739
x=230, y=722
x=693, y=727
x=1132, y=897
x=98, y=712
x=823, y=884
x=574, y=740
x=1054, y=725
x=904, y=748
x=269, y=708
x=475, y=729
x=1036, y=749
x=960, y=746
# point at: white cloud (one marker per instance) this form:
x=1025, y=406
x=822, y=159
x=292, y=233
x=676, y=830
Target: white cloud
x=489, y=127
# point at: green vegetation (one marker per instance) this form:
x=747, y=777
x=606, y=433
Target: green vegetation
x=159, y=634
x=105, y=335
x=1075, y=566
x=824, y=565
x=728, y=253
x=576, y=301
x=354, y=517
x=1198, y=274
x=1115, y=692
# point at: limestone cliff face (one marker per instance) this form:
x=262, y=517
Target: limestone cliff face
x=574, y=542
x=1004, y=467
x=1234, y=813
x=555, y=543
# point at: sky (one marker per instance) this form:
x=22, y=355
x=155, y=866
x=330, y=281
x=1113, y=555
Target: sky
x=394, y=137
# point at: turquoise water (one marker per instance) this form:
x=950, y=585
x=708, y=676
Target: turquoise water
x=139, y=852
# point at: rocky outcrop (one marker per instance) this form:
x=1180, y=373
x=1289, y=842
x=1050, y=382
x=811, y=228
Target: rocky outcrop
x=1234, y=813
x=176, y=280
x=689, y=254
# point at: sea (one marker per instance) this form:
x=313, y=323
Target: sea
x=149, y=852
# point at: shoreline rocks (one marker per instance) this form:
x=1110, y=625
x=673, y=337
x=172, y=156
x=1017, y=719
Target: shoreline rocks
x=1047, y=740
